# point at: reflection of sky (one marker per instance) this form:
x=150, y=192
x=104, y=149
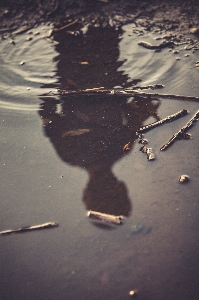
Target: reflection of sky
x=20, y=82
x=178, y=76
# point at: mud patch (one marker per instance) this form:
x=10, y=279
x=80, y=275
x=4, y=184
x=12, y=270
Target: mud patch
x=179, y=17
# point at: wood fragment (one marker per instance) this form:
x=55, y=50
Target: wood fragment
x=118, y=220
x=168, y=119
x=126, y=146
x=178, y=135
x=35, y=227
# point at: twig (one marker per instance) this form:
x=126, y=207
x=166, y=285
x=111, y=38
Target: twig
x=181, y=132
x=117, y=92
x=35, y=227
x=65, y=26
x=168, y=119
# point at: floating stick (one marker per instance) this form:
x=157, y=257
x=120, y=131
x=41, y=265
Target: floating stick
x=35, y=227
x=181, y=132
x=105, y=217
x=168, y=119
x=118, y=92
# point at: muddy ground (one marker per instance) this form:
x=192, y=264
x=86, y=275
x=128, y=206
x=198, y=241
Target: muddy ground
x=179, y=17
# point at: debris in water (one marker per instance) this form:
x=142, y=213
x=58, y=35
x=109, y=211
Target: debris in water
x=133, y=293
x=148, y=151
x=143, y=141
x=150, y=154
x=35, y=227
x=105, y=217
x=168, y=119
x=117, y=92
x=65, y=26
x=75, y=132
x=181, y=133
x=126, y=147
x=155, y=47
x=184, y=179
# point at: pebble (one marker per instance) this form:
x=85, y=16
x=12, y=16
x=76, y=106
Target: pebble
x=194, y=30
x=133, y=293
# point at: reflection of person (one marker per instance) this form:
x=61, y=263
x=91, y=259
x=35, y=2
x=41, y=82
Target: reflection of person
x=91, y=132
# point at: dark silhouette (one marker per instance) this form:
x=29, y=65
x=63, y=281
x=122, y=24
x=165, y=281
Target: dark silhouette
x=91, y=131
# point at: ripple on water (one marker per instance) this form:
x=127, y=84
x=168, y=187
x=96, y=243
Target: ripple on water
x=25, y=67
x=176, y=71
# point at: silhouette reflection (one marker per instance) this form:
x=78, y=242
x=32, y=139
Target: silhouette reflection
x=91, y=131
x=91, y=134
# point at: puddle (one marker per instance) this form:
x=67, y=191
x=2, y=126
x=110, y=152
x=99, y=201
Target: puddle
x=63, y=156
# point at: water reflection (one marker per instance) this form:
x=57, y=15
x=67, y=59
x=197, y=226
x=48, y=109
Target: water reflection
x=91, y=131
x=91, y=134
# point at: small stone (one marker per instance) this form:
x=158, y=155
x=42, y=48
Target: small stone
x=175, y=51
x=184, y=179
x=143, y=141
x=22, y=63
x=12, y=42
x=133, y=293
x=29, y=38
x=194, y=30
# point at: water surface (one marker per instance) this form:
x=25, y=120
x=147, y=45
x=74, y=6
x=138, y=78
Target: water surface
x=49, y=173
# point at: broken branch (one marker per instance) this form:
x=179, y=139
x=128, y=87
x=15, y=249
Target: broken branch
x=168, y=119
x=181, y=132
x=118, y=92
x=35, y=227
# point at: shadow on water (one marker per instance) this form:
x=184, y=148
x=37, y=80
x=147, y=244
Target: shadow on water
x=91, y=131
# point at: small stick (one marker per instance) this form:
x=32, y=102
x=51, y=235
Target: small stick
x=105, y=217
x=181, y=132
x=168, y=119
x=65, y=26
x=35, y=227
x=118, y=92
